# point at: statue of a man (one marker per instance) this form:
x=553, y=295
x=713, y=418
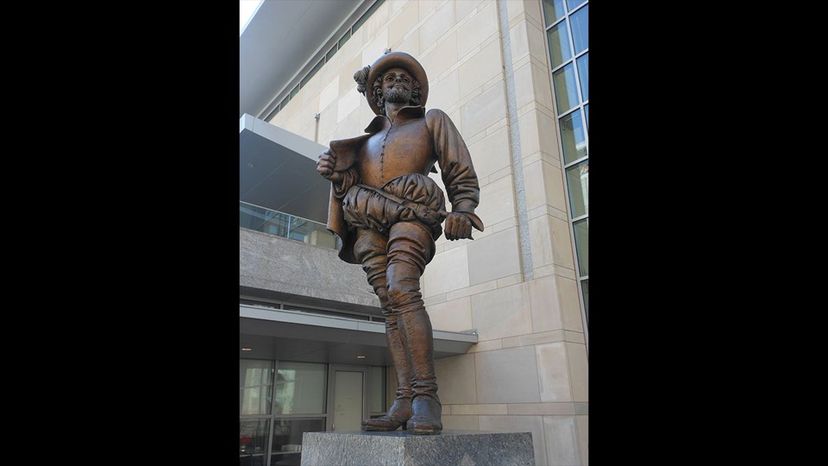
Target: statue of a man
x=388, y=214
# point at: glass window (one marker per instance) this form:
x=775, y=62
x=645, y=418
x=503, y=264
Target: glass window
x=272, y=113
x=585, y=291
x=330, y=53
x=248, y=218
x=287, y=226
x=577, y=177
x=344, y=38
x=253, y=441
x=553, y=10
x=255, y=386
x=573, y=137
x=276, y=223
x=259, y=219
x=300, y=388
x=586, y=113
x=362, y=19
x=574, y=3
x=558, y=40
x=580, y=29
x=287, y=438
x=312, y=72
x=582, y=245
x=376, y=389
x=566, y=95
x=583, y=73
x=301, y=229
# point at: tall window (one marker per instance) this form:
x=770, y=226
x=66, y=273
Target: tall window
x=567, y=36
x=279, y=401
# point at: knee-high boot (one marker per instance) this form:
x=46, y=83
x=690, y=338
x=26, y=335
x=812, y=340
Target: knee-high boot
x=410, y=248
x=426, y=407
x=400, y=410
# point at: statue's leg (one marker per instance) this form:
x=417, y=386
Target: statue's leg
x=370, y=249
x=410, y=248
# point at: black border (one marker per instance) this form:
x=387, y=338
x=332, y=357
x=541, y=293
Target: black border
x=663, y=301
x=142, y=255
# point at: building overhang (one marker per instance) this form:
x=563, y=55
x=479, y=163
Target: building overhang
x=277, y=170
x=278, y=42
x=305, y=337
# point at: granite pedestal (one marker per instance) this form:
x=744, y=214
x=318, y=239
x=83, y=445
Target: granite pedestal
x=449, y=448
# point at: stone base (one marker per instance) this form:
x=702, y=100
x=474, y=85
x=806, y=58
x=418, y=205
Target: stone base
x=449, y=448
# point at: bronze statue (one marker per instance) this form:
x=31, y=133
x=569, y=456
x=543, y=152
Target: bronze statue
x=388, y=214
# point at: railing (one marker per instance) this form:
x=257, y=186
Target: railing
x=253, y=217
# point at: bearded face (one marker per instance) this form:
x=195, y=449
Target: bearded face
x=396, y=86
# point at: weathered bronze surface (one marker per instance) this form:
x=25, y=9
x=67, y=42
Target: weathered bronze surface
x=388, y=214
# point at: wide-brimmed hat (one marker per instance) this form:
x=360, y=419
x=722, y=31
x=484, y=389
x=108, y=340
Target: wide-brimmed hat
x=395, y=60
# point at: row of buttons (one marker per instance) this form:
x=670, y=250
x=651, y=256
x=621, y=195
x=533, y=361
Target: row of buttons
x=382, y=154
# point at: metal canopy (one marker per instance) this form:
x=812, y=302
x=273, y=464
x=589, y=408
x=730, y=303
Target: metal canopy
x=305, y=337
x=279, y=40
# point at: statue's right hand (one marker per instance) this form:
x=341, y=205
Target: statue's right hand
x=325, y=165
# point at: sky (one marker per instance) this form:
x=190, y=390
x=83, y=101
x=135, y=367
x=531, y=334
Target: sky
x=246, y=10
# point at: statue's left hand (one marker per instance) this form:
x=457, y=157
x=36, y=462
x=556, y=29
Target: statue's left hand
x=458, y=226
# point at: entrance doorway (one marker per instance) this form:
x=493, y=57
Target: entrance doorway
x=347, y=397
